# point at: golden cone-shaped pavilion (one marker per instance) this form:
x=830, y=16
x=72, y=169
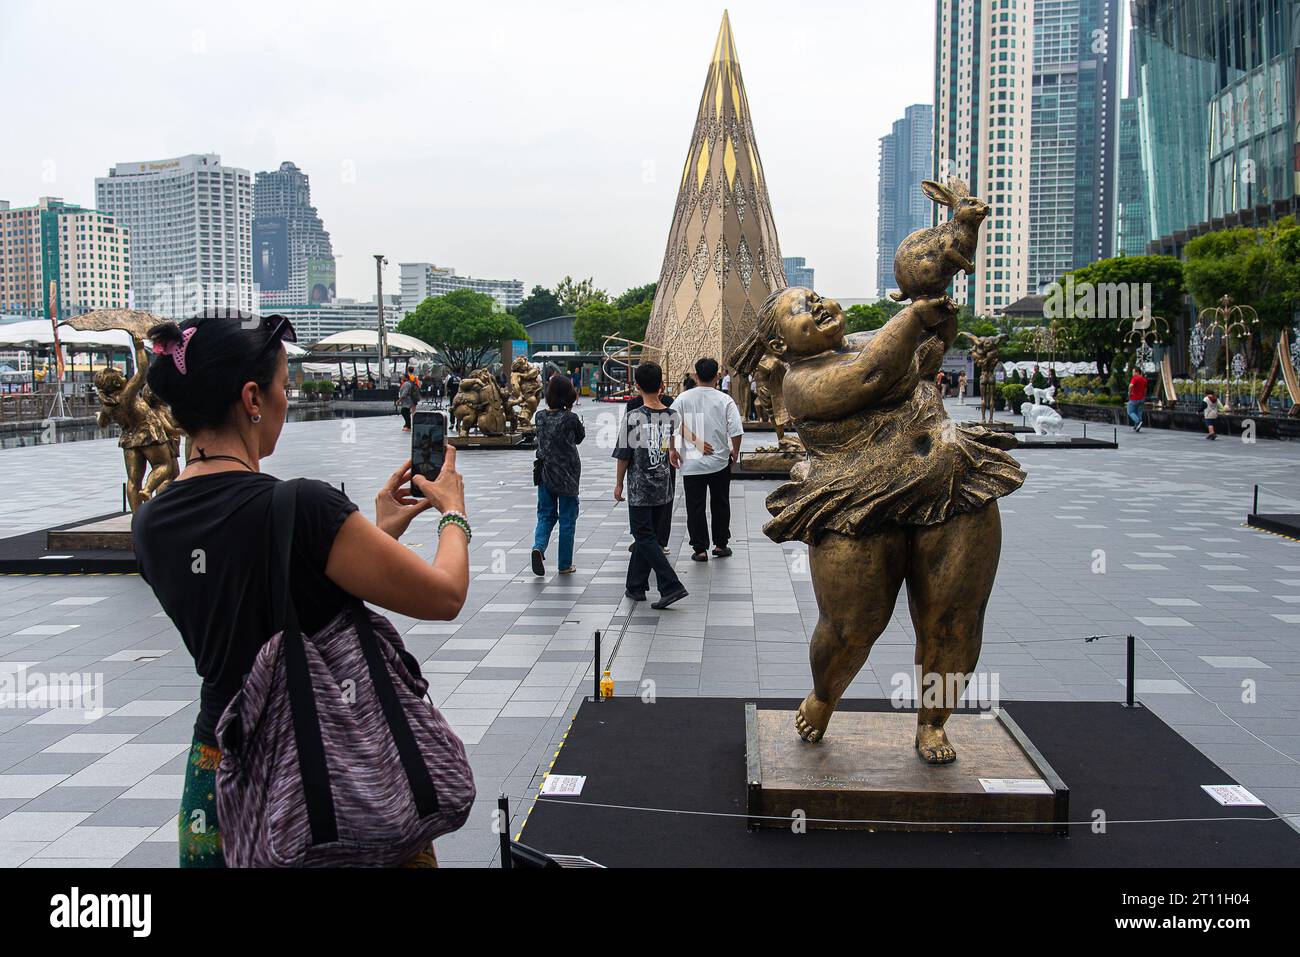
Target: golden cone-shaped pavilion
x=723, y=258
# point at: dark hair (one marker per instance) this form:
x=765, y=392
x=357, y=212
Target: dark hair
x=226, y=350
x=706, y=369
x=649, y=377
x=560, y=393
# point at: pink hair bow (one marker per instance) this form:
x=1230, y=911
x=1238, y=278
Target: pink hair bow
x=176, y=349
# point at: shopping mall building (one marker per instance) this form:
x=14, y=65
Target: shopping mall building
x=1215, y=82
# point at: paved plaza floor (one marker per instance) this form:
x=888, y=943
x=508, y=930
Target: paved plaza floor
x=1148, y=539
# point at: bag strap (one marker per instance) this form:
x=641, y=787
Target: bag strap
x=317, y=794
x=408, y=751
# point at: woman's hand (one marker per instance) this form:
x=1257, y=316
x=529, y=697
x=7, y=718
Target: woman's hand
x=447, y=492
x=395, y=506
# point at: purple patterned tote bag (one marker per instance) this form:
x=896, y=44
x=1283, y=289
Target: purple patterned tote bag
x=331, y=756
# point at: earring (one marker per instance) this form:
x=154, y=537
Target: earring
x=255, y=419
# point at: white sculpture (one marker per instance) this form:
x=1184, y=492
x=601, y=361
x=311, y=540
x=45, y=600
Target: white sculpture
x=1041, y=415
x=1041, y=396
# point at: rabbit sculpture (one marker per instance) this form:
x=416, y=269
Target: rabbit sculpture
x=928, y=259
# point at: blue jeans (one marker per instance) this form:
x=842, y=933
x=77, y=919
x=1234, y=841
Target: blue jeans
x=552, y=509
x=1135, y=411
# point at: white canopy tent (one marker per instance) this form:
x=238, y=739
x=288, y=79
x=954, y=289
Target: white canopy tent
x=1062, y=368
x=35, y=333
x=363, y=340
x=350, y=353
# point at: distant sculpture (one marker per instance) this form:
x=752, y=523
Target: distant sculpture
x=1040, y=414
x=150, y=438
x=480, y=404
x=1039, y=396
x=984, y=353
x=769, y=402
x=525, y=393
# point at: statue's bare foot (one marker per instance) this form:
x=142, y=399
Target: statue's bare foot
x=812, y=718
x=932, y=745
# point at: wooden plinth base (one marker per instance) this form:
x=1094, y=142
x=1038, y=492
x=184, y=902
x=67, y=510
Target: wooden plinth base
x=764, y=465
x=519, y=440
x=106, y=534
x=865, y=774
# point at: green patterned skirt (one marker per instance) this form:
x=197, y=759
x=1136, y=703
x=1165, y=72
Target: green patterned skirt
x=200, y=834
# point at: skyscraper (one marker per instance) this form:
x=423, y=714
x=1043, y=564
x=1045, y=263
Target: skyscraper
x=798, y=272
x=1072, y=177
x=293, y=261
x=83, y=253
x=191, y=227
x=983, y=71
x=722, y=259
x=1132, y=221
x=906, y=158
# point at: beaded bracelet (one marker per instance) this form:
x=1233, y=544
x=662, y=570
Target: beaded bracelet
x=458, y=519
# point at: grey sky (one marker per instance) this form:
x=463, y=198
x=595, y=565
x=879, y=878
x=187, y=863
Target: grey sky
x=507, y=139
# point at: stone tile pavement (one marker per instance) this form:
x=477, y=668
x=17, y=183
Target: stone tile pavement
x=1147, y=539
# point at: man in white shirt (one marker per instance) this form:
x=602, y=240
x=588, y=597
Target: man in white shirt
x=711, y=432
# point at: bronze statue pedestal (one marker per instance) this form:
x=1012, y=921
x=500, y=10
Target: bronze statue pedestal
x=866, y=770
x=765, y=464
x=513, y=440
x=103, y=534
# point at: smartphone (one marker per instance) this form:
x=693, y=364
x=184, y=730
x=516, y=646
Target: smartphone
x=428, y=442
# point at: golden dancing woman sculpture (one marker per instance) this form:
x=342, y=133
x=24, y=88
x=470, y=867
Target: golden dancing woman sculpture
x=892, y=491
x=150, y=438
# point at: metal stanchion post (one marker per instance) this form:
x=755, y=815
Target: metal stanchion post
x=595, y=670
x=503, y=807
x=1131, y=683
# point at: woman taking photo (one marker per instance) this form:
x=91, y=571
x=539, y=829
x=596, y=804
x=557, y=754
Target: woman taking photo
x=206, y=548
x=557, y=473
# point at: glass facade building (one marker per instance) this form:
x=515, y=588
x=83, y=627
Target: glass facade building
x=798, y=272
x=1215, y=89
x=1074, y=113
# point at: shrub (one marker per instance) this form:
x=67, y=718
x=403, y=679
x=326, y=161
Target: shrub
x=1014, y=394
x=326, y=388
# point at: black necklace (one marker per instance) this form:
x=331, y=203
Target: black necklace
x=204, y=457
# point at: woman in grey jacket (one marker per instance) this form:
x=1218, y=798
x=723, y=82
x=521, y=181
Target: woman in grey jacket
x=559, y=432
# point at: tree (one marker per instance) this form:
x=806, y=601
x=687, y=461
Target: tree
x=463, y=326
x=1256, y=267
x=596, y=320
x=540, y=304
x=574, y=294
x=864, y=318
x=637, y=295
x=1090, y=323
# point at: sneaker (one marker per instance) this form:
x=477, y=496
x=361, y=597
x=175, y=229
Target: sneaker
x=1138, y=427
x=700, y=557
x=667, y=550
x=635, y=595
x=568, y=571
x=539, y=565
x=670, y=598
x=722, y=551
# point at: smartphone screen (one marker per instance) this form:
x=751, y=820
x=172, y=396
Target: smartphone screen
x=428, y=444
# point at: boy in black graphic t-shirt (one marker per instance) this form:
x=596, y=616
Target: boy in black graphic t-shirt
x=646, y=459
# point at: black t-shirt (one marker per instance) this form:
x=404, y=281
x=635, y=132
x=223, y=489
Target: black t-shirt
x=644, y=437
x=205, y=547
